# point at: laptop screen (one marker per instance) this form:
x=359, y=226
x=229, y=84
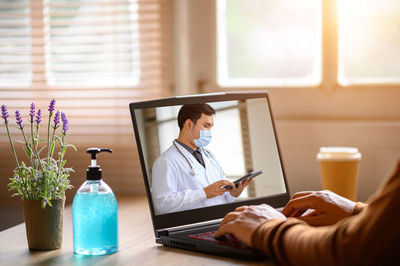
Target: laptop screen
x=236, y=138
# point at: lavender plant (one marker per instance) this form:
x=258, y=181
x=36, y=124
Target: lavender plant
x=45, y=176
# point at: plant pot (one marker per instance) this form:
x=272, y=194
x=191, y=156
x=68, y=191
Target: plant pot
x=44, y=227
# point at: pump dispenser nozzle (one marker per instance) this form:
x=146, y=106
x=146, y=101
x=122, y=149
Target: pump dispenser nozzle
x=94, y=171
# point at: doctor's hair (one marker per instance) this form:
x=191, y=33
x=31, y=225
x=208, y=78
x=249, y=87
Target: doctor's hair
x=193, y=112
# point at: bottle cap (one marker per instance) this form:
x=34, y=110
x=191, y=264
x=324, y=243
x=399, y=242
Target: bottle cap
x=94, y=171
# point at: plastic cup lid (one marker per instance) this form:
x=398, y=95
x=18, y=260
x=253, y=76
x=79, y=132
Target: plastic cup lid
x=338, y=153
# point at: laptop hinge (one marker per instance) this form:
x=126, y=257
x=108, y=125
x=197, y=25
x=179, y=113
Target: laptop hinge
x=162, y=232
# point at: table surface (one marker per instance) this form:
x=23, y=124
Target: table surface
x=136, y=244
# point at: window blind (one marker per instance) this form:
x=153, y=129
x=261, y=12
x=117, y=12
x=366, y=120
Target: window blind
x=15, y=43
x=94, y=57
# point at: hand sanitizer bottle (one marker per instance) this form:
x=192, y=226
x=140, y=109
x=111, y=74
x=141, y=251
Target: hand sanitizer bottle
x=95, y=213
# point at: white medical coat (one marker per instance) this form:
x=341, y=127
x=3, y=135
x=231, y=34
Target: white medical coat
x=175, y=188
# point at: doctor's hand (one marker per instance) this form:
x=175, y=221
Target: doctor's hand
x=245, y=219
x=327, y=207
x=236, y=191
x=215, y=189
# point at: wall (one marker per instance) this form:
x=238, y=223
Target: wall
x=300, y=140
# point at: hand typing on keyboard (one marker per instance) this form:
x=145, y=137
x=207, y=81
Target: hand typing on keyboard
x=245, y=219
x=327, y=207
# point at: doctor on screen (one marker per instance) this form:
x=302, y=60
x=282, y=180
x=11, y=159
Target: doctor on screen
x=186, y=175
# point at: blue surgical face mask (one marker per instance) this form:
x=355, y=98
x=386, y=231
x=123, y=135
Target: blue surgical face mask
x=204, y=139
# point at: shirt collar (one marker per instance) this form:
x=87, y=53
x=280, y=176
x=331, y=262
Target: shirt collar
x=185, y=146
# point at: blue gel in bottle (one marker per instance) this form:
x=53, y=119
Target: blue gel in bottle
x=95, y=214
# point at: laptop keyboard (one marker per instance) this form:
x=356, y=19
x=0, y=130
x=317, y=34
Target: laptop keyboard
x=226, y=239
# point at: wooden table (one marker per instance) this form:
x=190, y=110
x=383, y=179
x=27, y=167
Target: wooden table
x=136, y=244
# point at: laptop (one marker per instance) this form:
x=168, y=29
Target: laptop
x=243, y=141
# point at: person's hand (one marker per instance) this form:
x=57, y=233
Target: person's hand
x=245, y=219
x=216, y=188
x=236, y=191
x=328, y=207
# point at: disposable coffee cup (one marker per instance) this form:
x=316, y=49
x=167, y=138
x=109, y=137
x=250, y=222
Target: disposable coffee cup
x=339, y=170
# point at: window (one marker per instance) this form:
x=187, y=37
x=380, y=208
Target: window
x=15, y=44
x=264, y=43
x=304, y=43
x=70, y=43
x=92, y=43
x=368, y=36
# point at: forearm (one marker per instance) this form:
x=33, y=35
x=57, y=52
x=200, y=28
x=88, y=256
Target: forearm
x=268, y=237
x=293, y=242
x=179, y=201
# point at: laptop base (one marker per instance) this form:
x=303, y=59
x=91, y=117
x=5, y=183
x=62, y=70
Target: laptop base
x=207, y=247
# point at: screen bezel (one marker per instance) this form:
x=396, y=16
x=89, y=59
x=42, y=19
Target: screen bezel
x=213, y=212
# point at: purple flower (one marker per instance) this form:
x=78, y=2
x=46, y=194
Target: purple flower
x=4, y=113
x=49, y=168
x=59, y=180
x=66, y=171
x=40, y=176
x=65, y=123
x=56, y=119
x=19, y=119
x=34, y=180
x=32, y=112
x=52, y=105
x=39, y=117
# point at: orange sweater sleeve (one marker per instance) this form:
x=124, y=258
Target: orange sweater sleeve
x=369, y=237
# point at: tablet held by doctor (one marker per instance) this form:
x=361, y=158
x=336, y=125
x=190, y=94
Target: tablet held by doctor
x=187, y=175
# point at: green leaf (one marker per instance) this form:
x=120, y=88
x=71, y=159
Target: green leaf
x=53, y=160
x=35, y=141
x=36, y=163
x=71, y=146
x=59, y=140
x=41, y=149
x=52, y=148
x=28, y=152
x=63, y=152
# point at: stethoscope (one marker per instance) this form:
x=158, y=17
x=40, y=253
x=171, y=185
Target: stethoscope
x=207, y=153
